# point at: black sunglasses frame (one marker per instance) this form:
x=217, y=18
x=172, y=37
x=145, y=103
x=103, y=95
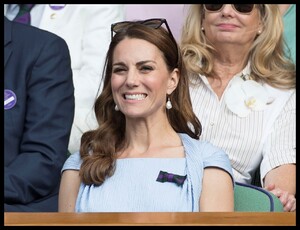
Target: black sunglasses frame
x=234, y=6
x=153, y=23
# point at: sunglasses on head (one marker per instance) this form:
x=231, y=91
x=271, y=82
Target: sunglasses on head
x=240, y=8
x=154, y=23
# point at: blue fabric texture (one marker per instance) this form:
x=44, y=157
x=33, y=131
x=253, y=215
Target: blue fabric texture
x=133, y=187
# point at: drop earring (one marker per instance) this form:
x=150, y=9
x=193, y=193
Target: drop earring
x=116, y=107
x=202, y=28
x=169, y=104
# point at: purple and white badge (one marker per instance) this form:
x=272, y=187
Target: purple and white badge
x=10, y=99
x=57, y=6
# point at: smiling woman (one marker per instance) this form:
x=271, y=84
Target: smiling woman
x=138, y=87
x=145, y=155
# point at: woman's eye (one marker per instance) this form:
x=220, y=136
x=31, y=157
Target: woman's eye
x=118, y=69
x=146, y=68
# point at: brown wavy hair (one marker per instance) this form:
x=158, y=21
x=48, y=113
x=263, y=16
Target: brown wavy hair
x=99, y=147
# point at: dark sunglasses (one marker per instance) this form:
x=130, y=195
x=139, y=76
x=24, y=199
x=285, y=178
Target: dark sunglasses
x=154, y=23
x=240, y=8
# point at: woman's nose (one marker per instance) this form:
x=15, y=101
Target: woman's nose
x=132, y=78
x=227, y=9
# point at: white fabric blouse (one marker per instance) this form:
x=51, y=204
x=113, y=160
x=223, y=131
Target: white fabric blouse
x=266, y=136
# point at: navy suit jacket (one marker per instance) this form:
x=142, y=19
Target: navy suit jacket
x=38, y=114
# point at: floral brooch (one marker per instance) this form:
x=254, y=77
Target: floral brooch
x=246, y=95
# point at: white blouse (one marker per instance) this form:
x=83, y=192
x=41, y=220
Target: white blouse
x=265, y=137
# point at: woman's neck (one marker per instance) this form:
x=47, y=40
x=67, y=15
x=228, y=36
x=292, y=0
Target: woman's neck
x=155, y=140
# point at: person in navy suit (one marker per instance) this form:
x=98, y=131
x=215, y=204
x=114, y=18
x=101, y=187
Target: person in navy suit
x=38, y=115
x=86, y=30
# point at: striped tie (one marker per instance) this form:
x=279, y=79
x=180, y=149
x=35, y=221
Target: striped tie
x=24, y=13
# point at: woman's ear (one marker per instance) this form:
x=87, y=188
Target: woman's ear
x=173, y=81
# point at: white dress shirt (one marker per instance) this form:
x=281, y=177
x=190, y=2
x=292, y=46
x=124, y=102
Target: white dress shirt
x=267, y=136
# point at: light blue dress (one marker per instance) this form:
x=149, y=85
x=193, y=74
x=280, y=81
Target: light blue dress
x=133, y=187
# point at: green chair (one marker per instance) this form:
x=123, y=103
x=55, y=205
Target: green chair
x=250, y=198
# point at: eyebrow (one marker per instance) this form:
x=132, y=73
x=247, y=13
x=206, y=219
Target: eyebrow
x=138, y=63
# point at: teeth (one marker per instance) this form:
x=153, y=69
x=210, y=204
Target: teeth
x=135, y=96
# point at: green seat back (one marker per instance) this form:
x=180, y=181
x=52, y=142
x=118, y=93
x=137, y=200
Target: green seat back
x=250, y=198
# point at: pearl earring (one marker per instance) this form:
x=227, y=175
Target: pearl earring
x=202, y=28
x=169, y=104
x=117, y=108
x=259, y=32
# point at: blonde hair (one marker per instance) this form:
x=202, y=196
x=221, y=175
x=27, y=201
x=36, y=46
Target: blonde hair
x=267, y=58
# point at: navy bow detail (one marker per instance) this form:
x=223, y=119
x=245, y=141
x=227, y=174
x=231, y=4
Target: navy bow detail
x=170, y=177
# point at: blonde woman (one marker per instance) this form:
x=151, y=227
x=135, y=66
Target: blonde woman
x=243, y=90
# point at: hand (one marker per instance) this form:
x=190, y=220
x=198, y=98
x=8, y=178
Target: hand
x=288, y=200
